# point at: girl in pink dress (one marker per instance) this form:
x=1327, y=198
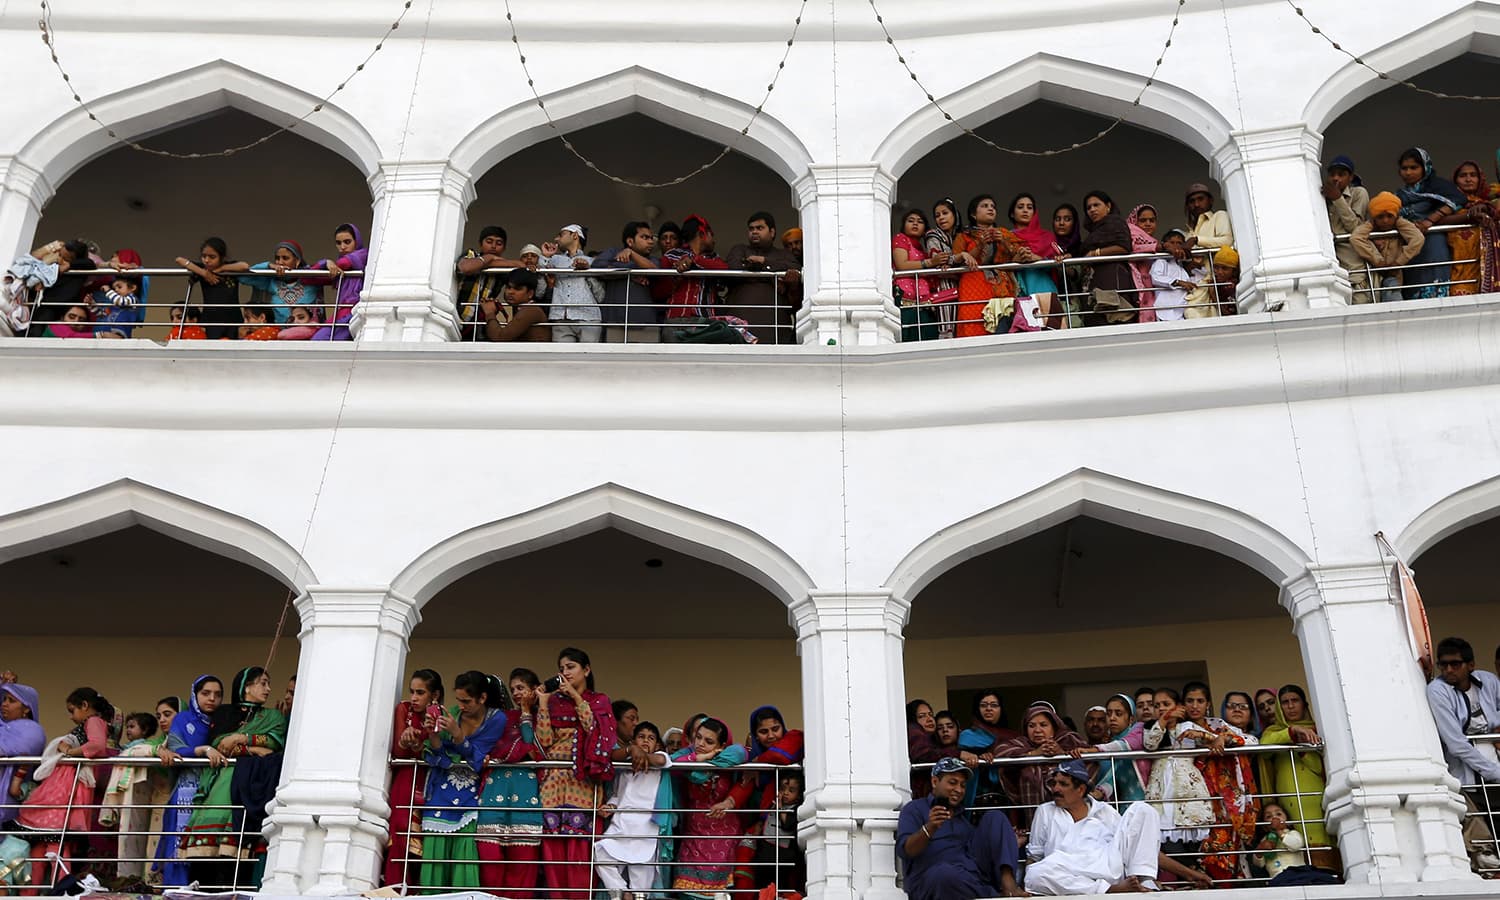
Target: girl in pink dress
x=60, y=806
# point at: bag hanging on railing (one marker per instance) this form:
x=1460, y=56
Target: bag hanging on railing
x=998, y=315
x=714, y=332
x=1028, y=314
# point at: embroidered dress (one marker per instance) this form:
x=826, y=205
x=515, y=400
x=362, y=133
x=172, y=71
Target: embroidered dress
x=510, y=812
x=211, y=831
x=1230, y=781
x=450, y=816
x=189, y=732
x=1177, y=789
x=1480, y=242
x=571, y=797
x=704, y=860
x=977, y=289
x=403, y=849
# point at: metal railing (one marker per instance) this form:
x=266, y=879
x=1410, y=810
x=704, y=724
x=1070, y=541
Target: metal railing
x=648, y=312
x=751, y=832
x=1072, y=302
x=1384, y=284
x=1246, y=860
x=1481, y=827
x=121, y=852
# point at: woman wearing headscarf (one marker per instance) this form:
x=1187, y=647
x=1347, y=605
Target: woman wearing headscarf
x=20, y=735
x=353, y=256
x=1121, y=780
x=1297, y=779
x=1111, y=283
x=947, y=223
x=188, y=738
x=988, y=729
x=1478, y=245
x=1045, y=735
x=280, y=291
x=244, y=726
x=922, y=746
x=1026, y=221
x=769, y=742
x=1425, y=200
x=1142, y=224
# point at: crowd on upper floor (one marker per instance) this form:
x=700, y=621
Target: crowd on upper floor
x=954, y=291
x=1391, y=252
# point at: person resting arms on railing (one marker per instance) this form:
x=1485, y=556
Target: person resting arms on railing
x=353, y=256
x=1425, y=200
x=1387, y=251
x=946, y=857
x=61, y=799
x=1123, y=780
x=280, y=292
x=1172, y=279
x=1111, y=296
x=1177, y=788
x=20, y=735
x=219, y=290
x=712, y=831
x=639, y=814
x=1298, y=778
x=1231, y=783
x=1045, y=735
x=68, y=292
x=983, y=243
x=770, y=742
x=121, y=305
x=1475, y=248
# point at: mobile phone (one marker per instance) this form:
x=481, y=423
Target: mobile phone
x=552, y=684
x=434, y=712
x=943, y=802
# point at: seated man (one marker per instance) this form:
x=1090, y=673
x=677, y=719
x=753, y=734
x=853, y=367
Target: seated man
x=945, y=857
x=1081, y=846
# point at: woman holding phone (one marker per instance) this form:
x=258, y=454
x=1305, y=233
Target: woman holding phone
x=464, y=735
x=574, y=724
x=416, y=719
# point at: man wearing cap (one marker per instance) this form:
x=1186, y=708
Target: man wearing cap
x=575, y=300
x=1207, y=227
x=761, y=301
x=947, y=858
x=1348, y=208
x=1079, y=845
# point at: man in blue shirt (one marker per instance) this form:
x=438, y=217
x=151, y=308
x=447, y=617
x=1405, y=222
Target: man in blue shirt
x=946, y=857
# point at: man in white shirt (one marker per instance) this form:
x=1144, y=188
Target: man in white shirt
x=1079, y=845
x=575, y=299
x=1171, y=279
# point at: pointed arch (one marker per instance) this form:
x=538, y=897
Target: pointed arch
x=1472, y=29
x=1086, y=86
x=1129, y=504
x=634, y=90
x=125, y=503
x=1450, y=515
x=606, y=506
x=72, y=140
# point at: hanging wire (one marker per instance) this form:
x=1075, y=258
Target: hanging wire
x=49, y=37
x=1103, y=133
x=723, y=151
x=1383, y=76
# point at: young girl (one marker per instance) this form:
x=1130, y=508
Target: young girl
x=129, y=793
x=185, y=325
x=1284, y=842
x=220, y=291
x=510, y=816
x=352, y=256
x=704, y=859
x=280, y=291
x=627, y=856
x=61, y=800
x=305, y=325
x=1177, y=788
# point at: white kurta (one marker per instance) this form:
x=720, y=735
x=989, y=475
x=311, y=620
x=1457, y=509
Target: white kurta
x=631, y=835
x=1090, y=855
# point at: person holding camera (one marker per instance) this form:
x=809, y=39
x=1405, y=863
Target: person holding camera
x=460, y=740
x=945, y=856
x=574, y=724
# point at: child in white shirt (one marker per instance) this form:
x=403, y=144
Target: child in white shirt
x=1172, y=279
x=625, y=857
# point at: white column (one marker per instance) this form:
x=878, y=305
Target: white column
x=1390, y=799
x=852, y=685
x=24, y=192
x=1271, y=179
x=419, y=220
x=846, y=213
x=328, y=825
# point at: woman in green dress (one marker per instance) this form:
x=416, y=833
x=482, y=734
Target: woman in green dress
x=241, y=728
x=1297, y=778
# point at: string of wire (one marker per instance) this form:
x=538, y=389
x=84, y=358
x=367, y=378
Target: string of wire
x=724, y=151
x=901, y=57
x=1383, y=76
x=49, y=37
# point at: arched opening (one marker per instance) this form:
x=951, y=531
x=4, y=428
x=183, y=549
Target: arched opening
x=664, y=601
x=645, y=128
x=1163, y=146
x=1363, y=132
x=121, y=590
x=1091, y=587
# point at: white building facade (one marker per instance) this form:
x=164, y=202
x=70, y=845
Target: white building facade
x=844, y=474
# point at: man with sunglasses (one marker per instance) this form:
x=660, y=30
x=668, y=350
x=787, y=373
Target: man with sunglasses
x=946, y=857
x=1466, y=703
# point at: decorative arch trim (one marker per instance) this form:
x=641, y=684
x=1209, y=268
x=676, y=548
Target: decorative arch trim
x=1450, y=515
x=1129, y=504
x=125, y=503
x=606, y=506
x=1166, y=109
x=1472, y=29
x=72, y=140
x=634, y=90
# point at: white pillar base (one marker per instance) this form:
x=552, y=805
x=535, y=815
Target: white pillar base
x=845, y=211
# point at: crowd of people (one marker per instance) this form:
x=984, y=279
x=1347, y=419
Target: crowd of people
x=1392, y=253
x=158, y=823
x=54, y=291
x=953, y=289
x=624, y=806
x=1206, y=819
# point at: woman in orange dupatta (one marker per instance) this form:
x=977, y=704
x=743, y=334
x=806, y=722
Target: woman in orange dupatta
x=984, y=244
x=1481, y=243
